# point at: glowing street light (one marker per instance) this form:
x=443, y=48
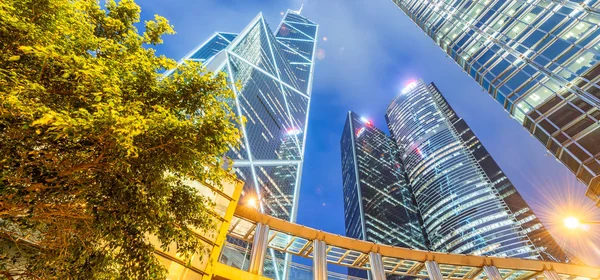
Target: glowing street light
x=252, y=202
x=574, y=223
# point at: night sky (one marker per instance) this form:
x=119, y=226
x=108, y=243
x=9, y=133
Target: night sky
x=367, y=51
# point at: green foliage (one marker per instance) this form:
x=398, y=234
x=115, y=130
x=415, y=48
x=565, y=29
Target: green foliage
x=94, y=144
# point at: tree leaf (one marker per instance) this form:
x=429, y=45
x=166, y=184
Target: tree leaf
x=96, y=142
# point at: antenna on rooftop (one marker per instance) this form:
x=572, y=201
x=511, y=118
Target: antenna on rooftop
x=300, y=10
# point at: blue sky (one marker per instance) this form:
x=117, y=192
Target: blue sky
x=371, y=50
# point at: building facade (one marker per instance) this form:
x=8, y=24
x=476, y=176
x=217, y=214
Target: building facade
x=539, y=59
x=525, y=217
x=378, y=202
x=468, y=206
x=274, y=71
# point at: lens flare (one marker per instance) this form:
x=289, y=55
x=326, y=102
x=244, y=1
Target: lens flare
x=252, y=202
x=555, y=198
x=320, y=54
x=572, y=223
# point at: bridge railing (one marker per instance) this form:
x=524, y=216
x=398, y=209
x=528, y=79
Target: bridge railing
x=264, y=232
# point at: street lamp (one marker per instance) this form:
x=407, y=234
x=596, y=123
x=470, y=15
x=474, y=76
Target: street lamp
x=574, y=223
x=252, y=202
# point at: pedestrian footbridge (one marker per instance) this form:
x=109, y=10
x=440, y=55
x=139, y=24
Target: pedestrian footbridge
x=244, y=240
x=266, y=232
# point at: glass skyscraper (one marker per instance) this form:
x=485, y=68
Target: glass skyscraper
x=532, y=226
x=275, y=72
x=467, y=204
x=378, y=203
x=539, y=59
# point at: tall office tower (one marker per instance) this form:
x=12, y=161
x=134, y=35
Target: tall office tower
x=532, y=226
x=378, y=202
x=539, y=60
x=463, y=210
x=275, y=72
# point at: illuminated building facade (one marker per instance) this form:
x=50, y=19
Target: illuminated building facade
x=538, y=59
x=525, y=217
x=468, y=206
x=275, y=71
x=199, y=266
x=378, y=203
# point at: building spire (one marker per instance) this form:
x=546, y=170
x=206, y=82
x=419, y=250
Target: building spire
x=300, y=10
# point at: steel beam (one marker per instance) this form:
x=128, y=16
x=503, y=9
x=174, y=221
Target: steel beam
x=492, y=272
x=259, y=249
x=433, y=269
x=377, y=269
x=319, y=260
x=551, y=275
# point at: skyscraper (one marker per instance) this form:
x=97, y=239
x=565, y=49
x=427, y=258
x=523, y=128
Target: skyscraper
x=467, y=204
x=378, y=202
x=275, y=73
x=531, y=224
x=538, y=59
x=379, y=205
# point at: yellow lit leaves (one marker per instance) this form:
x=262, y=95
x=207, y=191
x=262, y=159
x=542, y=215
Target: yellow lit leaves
x=88, y=120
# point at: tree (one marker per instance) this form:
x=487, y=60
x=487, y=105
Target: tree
x=95, y=144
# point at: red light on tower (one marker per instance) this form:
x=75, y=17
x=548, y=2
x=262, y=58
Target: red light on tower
x=369, y=123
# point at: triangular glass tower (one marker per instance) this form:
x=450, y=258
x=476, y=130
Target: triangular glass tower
x=275, y=71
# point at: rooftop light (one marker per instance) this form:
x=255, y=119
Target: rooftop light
x=293, y=131
x=409, y=87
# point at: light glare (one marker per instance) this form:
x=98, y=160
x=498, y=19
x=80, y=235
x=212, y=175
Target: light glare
x=571, y=222
x=252, y=203
x=409, y=87
x=366, y=121
x=293, y=131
